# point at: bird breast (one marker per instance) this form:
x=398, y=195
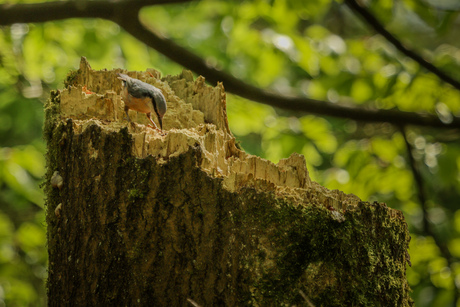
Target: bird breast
x=143, y=105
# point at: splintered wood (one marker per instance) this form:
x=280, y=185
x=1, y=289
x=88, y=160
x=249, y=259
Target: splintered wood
x=196, y=117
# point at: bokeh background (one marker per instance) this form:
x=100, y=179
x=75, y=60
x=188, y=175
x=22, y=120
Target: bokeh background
x=318, y=49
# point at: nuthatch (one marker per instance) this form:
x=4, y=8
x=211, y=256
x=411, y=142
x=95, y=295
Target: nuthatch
x=142, y=97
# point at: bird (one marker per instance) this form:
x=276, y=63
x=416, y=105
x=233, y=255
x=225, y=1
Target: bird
x=143, y=97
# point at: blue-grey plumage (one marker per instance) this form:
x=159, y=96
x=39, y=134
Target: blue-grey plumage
x=142, y=97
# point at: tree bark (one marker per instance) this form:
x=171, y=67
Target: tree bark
x=136, y=218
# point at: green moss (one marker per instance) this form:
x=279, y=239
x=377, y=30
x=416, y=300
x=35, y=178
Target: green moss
x=52, y=117
x=139, y=171
x=135, y=194
x=239, y=145
x=70, y=78
x=52, y=112
x=358, y=258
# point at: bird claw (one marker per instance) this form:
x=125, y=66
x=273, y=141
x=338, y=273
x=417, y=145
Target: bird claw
x=155, y=128
x=158, y=129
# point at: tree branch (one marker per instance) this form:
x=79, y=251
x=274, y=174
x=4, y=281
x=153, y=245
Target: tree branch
x=195, y=63
x=125, y=14
x=59, y=10
x=378, y=27
x=427, y=227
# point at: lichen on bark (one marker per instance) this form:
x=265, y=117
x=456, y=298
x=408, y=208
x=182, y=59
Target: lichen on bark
x=151, y=219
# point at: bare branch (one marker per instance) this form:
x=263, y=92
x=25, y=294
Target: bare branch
x=197, y=64
x=378, y=27
x=125, y=13
x=427, y=227
x=59, y=10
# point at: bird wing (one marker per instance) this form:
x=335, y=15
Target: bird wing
x=139, y=89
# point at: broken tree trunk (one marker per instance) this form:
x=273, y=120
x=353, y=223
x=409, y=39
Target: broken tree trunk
x=139, y=218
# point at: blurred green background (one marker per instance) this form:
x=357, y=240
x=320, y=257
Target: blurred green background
x=317, y=49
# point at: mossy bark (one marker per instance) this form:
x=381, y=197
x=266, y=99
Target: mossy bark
x=129, y=231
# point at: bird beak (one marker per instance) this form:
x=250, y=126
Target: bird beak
x=123, y=78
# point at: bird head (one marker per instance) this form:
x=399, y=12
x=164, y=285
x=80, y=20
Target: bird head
x=125, y=79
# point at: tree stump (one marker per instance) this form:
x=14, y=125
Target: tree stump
x=137, y=218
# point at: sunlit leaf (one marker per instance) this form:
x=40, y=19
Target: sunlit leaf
x=361, y=91
x=31, y=236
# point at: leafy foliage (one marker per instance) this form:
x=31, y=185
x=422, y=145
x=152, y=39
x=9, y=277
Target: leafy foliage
x=317, y=49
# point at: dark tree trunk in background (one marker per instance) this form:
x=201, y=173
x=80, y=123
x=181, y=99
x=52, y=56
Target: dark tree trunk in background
x=136, y=218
